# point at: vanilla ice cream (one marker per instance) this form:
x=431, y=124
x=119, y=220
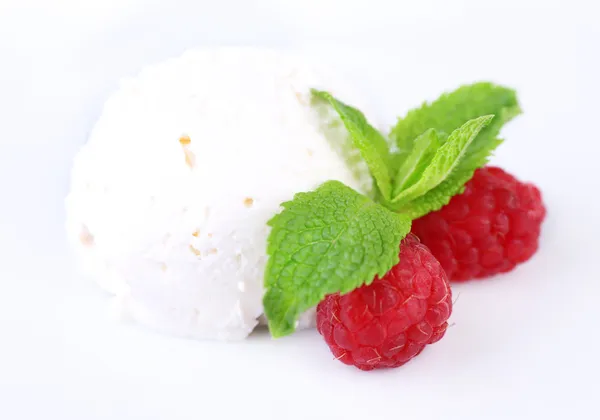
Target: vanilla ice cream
x=189, y=160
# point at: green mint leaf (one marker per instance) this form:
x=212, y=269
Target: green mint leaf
x=454, y=109
x=329, y=240
x=446, y=159
x=372, y=145
x=438, y=197
x=339, y=139
x=425, y=147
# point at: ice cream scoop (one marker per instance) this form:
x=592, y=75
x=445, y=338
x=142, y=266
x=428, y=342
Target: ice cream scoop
x=171, y=195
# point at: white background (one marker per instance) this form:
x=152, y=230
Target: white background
x=523, y=346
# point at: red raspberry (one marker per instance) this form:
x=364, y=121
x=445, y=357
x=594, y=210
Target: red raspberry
x=490, y=228
x=390, y=321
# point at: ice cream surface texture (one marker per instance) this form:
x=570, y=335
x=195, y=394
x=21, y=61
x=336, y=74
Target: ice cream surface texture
x=171, y=195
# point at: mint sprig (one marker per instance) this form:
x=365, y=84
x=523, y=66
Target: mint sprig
x=334, y=239
x=329, y=240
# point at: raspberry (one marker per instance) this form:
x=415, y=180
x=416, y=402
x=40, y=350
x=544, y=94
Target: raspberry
x=390, y=321
x=489, y=229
